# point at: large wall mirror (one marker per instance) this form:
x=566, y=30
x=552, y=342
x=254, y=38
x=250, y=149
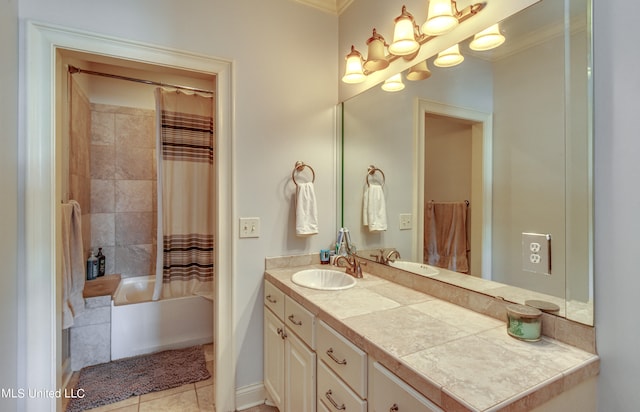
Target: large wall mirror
x=510, y=132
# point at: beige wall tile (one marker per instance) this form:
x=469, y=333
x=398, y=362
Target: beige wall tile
x=103, y=128
x=135, y=228
x=102, y=196
x=134, y=195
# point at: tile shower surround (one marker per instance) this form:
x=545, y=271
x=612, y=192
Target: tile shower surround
x=123, y=188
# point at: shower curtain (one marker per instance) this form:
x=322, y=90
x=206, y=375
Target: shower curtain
x=186, y=194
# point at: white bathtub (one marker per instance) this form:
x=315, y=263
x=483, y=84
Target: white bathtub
x=139, y=325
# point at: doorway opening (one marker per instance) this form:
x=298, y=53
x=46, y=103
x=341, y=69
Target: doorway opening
x=41, y=357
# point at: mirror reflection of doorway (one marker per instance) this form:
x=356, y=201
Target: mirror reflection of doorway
x=454, y=147
x=450, y=159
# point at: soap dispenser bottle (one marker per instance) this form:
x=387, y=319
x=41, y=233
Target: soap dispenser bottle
x=102, y=260
x=92, y=267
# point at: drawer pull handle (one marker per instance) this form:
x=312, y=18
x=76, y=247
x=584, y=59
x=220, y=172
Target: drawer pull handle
x=294, y=321
x=333, y=402
x=282, y=333
x=394, y=408
x=333, y=357
x=270, y=299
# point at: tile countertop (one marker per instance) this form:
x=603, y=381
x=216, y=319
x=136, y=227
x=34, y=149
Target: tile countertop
x=458, y=358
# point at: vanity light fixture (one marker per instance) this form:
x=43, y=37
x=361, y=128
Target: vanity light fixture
x=487, y=39
x=419, y=71
x=449, y=57
x=407, y=39
x=376, y=59
x=404, y=35
x=393, y=83
x=354, y=72
x=441, y=18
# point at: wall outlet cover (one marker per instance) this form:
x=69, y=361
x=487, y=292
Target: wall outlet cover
x=536, y=253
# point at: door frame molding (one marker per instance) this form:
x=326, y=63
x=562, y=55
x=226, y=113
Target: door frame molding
x=39, y=335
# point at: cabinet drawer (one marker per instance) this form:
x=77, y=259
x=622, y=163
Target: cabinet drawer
x=300, y=321
x=274, y=299
x=343, y=357
x=388, y=392
x=335, y=394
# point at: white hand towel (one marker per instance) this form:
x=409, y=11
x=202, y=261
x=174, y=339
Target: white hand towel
x=306, y=210
x=374, y=208
x=73, y=269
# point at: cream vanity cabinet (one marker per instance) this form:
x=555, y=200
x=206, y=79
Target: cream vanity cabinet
x=388, y=393
x=289, y=357
x=342, y=372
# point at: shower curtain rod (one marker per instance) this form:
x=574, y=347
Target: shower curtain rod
x=73, y=70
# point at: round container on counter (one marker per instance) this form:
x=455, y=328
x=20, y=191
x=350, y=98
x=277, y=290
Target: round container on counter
x=524, y=322
x=544, y=306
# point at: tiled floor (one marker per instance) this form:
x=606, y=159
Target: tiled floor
x=194, y=397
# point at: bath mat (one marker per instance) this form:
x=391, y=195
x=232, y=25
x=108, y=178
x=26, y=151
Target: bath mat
x=123, y=378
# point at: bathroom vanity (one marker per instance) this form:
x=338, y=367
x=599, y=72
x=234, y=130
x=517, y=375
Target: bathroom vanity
x=396, y=342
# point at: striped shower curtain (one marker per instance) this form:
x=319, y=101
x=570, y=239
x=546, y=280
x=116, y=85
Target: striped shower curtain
x=186, y=194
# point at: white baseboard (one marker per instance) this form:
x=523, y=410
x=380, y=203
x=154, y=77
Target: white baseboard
x=249, y=396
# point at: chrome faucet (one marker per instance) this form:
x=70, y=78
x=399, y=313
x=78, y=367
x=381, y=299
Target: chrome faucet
x=352, y=265
x=391, y=256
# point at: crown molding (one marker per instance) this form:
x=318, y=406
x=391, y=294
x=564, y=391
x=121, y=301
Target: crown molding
x=331, y=6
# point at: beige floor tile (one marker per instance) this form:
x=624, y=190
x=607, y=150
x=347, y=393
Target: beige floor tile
x=209, y=354
x=205, y=398
x=122, y=405
x=179, y=402
x=209, y=381
x=161, y=394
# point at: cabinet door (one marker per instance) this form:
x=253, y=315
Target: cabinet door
x=300, y=376
x=274, y=358
x=387, y=393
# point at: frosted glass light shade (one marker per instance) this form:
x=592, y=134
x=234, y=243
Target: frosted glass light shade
x=353, y=69
x=419, y=72
x=393, y=83
x=440, y=18
x=487, y=39
x=375, y=53
x=404, y=37
x=449, y=57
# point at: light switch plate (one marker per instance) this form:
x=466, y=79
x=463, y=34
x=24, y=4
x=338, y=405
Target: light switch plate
x=406, y=221
x=249, y=227
x=536, y=253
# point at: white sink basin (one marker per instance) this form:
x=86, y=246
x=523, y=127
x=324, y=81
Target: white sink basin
x=323, y=279
x=415, y=267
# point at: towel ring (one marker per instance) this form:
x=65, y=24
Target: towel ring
x=371, y=171
x=299, y=167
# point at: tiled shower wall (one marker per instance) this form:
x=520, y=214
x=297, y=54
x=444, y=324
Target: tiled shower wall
x=123, y=188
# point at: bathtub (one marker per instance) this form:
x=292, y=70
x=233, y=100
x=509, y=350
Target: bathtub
x=140, y=326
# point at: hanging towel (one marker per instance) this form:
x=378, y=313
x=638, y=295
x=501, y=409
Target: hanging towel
x=446, y=244
x=306, y=210
x=73, y=270
x=374, y=208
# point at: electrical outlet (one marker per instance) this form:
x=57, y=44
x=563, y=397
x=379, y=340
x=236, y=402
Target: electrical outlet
x=249, y=227
x=406, y=221
x=536, y=253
